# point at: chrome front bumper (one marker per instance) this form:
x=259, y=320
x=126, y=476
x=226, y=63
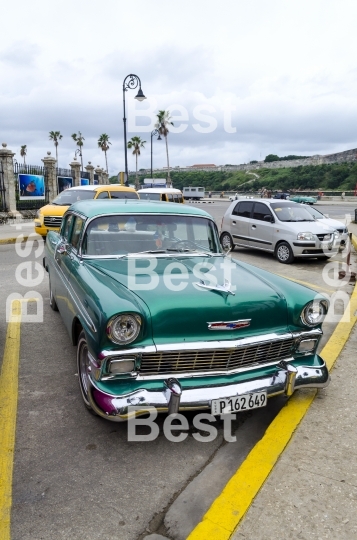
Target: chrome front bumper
x=173, y=398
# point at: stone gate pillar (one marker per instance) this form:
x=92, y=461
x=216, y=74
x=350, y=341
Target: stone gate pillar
x=99, y=172
x=6, y=158
x=90, y=168
x=76, y=168
x=49, y=163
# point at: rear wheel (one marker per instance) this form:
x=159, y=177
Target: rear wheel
x=284, y=253
x=83, y=369
x=226, y=241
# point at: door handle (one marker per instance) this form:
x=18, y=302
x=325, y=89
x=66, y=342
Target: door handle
x=234, y=223
x=254, y=226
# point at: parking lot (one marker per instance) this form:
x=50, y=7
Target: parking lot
x=77, y=476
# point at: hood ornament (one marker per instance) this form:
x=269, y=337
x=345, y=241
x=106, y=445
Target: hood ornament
x=229, y=325
x=224, y=289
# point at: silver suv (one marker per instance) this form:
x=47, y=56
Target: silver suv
x=283, y=228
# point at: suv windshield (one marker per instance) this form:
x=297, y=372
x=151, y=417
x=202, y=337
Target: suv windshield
x=288, y=211
x=168, y=234
x=70, y=196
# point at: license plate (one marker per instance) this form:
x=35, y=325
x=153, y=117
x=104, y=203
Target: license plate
x=235, y=404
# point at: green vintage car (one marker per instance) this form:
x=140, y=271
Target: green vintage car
x=162, y=317
x=303, y=199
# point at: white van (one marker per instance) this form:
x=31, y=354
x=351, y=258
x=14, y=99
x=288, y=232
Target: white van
x=195, y=193
x=161, y=194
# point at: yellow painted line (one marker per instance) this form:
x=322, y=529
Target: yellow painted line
x=225, y=513
x=8, y=411
x=11, y=240
x=307, y=284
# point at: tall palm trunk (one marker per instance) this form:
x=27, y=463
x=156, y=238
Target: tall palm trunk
x=56, y=145
x=106, y=160
x=136, y=172
x=168, y=164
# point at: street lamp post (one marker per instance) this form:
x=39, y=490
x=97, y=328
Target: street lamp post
x=130, y=83
x=153, y=133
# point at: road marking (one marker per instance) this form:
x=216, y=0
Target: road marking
x=307, y=284
x=225, y=513
x=8, y=411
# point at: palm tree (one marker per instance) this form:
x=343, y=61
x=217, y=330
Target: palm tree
x=79, y=140
x=55, y=136
x=162, y=125
x=136, y=143
x=23, y=152
x=103, y=143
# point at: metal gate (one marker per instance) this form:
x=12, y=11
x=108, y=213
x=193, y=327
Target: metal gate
x=30, y=204
x=3, y=205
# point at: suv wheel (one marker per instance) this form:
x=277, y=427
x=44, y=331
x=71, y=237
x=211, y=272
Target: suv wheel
x=226, y=241
x=284, y=253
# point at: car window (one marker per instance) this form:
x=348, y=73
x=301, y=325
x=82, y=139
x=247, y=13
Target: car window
x=150, y=196
x=103, y=195
x=123, y=234
x=243, y=209
x=67, y=226
x=70, y=196
x=170, y=197
x=287, y=211
x=76, y=231
x=261, y=210
x=123, y=195
x=315, y=213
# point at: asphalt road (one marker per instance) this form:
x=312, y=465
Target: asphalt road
x=75, y=475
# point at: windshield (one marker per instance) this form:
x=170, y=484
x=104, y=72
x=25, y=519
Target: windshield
x=288, y=211
x=150, y=196
x=315, y=213
x=70, y=196
x=166, y=234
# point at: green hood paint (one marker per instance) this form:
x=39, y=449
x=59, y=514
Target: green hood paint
x=182, y=316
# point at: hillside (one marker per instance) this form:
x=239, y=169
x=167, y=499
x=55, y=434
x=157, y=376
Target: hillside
x=337, y=176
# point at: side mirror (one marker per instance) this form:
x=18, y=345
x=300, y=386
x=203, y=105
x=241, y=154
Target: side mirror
x=62, y=248
x=269, y=218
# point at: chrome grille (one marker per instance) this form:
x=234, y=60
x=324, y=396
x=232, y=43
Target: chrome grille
x=324, y=236
x=215, y=359
x=52, y=221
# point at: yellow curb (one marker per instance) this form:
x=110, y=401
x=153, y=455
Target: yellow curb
x=225, y=513
x=8, y=411
x=11, y=240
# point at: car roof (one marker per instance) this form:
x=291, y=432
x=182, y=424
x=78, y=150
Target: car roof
x=91, y=187
x=159, y=190
x=92, y=208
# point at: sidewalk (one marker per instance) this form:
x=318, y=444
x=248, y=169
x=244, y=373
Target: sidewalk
x=11, y=230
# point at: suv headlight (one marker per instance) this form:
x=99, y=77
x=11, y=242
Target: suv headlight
x=305, y=236
x=314, y=312
x=123, y=329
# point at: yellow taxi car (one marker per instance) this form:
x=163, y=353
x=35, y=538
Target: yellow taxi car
x=49, y=217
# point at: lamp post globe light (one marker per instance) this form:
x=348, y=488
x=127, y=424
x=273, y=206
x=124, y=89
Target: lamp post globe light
x=130, y=83
x=153, y=134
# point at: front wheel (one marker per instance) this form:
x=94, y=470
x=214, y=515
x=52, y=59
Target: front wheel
x=226, y=242
x=284, y=253
x=53, y=303
x=84, y=368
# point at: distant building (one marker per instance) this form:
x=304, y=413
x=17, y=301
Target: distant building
x=204, y=166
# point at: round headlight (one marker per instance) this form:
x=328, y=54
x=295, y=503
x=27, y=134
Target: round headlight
x=314, y=312
x=123, y=329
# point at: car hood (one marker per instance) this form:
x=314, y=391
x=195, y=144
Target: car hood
x=315, y=227
x=333, y=223
x=183, y=315
x=53, y=210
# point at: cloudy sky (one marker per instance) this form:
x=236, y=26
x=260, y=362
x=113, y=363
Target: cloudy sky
x=242, y=78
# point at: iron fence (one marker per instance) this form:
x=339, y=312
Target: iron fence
x=85, y=175
x=30, y=204
x=3, y=205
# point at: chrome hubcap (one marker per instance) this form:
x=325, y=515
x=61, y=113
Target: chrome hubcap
x=226, y=241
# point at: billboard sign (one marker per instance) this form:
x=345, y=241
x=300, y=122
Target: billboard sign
x=64, y=182
x=31, y=186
